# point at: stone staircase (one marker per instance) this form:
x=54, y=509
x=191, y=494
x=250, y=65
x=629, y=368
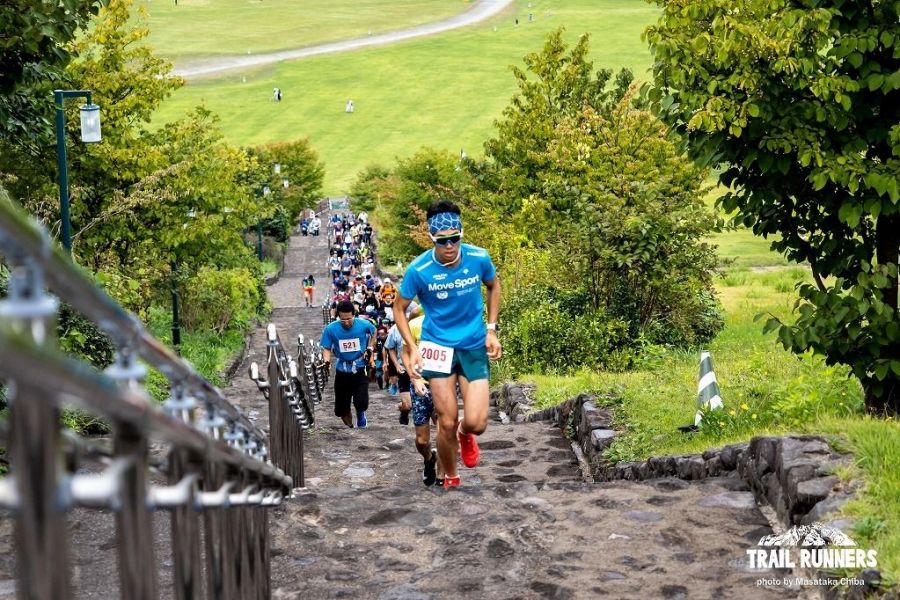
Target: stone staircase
x=523, y=524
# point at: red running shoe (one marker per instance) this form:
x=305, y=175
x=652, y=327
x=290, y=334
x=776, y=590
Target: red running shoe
x=451, y=482
x=468, y=448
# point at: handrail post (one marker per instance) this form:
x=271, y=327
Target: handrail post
x=134, y=527
x=185, y=523
x=277, y=438
x=215, y=537
x=41, y=536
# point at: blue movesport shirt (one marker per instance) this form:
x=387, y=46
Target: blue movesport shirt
x=451, y=296
x=349, y=345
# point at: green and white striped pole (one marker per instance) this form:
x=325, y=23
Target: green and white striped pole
x=708, y=397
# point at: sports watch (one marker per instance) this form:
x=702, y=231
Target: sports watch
x=495, y=327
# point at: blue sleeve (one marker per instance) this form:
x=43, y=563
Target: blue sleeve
x=326, y=341
x=409, y=286
x=488, y=271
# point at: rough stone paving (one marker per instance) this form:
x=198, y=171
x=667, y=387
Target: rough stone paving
x=522, y=525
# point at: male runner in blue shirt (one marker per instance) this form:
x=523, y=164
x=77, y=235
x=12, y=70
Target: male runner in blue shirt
x=455, y=345
x=352, y=341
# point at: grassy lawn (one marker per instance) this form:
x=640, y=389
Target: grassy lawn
x=208, y=352
x=187, y=30
x=443, y=91
x=766, y=390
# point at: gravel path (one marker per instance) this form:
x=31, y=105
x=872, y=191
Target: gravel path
x=481, y=10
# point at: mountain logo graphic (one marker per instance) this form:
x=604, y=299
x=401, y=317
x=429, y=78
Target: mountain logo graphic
x=816, y=535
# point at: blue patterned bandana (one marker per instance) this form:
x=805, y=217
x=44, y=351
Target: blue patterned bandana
x=443, y=222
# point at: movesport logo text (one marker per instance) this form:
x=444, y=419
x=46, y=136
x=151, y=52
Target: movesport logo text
x=455, y=284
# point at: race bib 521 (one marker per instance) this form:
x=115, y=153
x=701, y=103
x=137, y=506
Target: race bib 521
x=352, y=345
x=436, y=358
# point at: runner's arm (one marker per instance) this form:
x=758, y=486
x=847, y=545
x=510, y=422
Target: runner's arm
x=400, y=320
x=493, y=299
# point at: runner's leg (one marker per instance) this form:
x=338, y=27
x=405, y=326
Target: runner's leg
x=343, y=391
x=443, y=390
x=361, y=392
x=476, y=404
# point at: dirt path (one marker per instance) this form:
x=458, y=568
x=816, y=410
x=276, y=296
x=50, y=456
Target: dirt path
x=481, y=10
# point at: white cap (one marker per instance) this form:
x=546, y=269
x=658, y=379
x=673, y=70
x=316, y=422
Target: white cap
x=387, y=279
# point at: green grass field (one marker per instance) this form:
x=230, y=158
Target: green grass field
x=443, y=91
x=195, y=29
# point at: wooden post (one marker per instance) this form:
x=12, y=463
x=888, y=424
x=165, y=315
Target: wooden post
x=217, y=587
x=137, y=569
x=185, y=522
x=265, y=576
x=41, y=537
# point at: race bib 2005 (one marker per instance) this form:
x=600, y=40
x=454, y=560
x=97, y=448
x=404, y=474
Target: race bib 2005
x=349, y=345
x=436, y=358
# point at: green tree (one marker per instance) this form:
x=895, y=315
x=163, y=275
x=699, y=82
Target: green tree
x=364, y=192
x=405, y=194
x=34, y=38
x=798, y=104
x=595, y=182
x=300, y=165
x=555, y=85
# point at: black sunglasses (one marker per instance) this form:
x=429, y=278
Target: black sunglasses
x=450, y=240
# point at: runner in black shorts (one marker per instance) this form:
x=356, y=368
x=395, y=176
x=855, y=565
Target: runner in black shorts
x=351, y=341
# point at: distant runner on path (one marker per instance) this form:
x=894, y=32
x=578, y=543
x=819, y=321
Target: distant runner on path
x=455, y=344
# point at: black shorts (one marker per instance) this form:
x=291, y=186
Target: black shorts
x=350, y=388
x=403, y=382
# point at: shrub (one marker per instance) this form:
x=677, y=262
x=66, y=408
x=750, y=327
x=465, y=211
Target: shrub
x=220, y=299
x=279, y=225
x=273, y=250
x=548, y=329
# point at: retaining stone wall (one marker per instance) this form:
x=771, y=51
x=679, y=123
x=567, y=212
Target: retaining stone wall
x=791, y=473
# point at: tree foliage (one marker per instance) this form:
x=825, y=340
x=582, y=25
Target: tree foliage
x=798, y=104
x=585, y=175
x=300, y=165
x=404, y=194
x=34, y=38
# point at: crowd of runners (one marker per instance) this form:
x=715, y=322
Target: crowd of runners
x=424, y=337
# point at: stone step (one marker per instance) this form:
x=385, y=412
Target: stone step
x=658, y=539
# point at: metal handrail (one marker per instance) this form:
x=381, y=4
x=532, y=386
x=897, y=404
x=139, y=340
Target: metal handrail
x=209, y=455
x=68, y=281
x=71, y=382
x=292, y=389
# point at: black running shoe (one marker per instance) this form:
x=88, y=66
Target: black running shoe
x=429, y=473
x=404, y=417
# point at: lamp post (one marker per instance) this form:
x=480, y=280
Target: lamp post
x=90, y=134
x=259, y=245
x=176, y=319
